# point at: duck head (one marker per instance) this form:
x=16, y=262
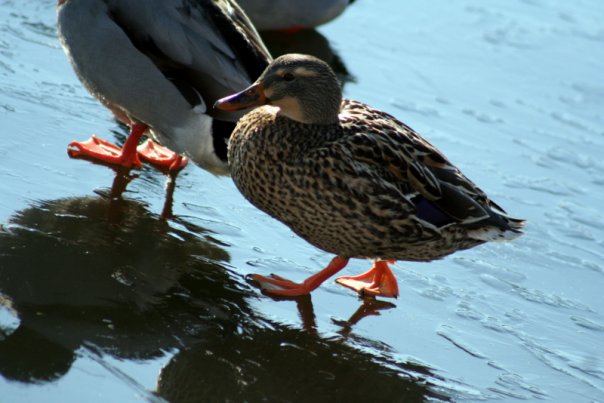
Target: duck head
x=303, y=87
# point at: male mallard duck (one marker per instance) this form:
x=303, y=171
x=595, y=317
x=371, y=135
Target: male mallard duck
x=292, y=14
x=157, y=64
x=350, y=179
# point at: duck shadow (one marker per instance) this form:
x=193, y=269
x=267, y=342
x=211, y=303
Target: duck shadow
x=102, y=276
x=106, y=272
x=285, y=364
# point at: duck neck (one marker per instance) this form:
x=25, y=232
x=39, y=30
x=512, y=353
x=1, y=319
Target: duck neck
x=323, y=110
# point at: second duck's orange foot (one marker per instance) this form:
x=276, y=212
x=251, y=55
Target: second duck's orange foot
x=99, y=150
x=378, y=281
x=279, y=286
x=161, y=157
x=276, y=285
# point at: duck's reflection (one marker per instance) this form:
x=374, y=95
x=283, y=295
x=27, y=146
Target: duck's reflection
x=115, y=206
x=284, y=364
x=74, y=276
x=132, y=286
x=370, y=306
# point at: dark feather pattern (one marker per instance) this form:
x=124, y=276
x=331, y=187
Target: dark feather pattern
x=350, y=179
x=368, y=186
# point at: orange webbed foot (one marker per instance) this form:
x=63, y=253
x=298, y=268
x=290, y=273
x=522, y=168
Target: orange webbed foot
x=102, y=151
x=161, y=157
x=378, y=281
x=278, y=286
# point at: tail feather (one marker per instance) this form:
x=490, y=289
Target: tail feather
x=488, y=233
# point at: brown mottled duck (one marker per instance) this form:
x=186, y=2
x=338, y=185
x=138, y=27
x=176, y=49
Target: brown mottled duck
x=350, y=179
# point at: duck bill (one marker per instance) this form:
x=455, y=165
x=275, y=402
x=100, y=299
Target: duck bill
x=251, y=96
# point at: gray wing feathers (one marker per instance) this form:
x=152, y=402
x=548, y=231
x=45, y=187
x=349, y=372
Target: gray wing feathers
x=186, y=35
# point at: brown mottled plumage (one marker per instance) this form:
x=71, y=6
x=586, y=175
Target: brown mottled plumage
x=360, y=184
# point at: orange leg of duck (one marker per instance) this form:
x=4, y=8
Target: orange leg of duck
x=276, y=285
x=161, y=157
x=102, y=151
x=378, y=281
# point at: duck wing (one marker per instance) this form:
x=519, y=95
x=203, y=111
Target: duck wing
x=209, y=45
x=423, y=174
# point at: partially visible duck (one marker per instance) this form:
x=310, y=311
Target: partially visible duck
x=350, y=179
x=292, y=14
x=157, y=65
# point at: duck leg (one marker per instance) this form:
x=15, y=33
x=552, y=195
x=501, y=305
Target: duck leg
x=378, y=281
x=161, y=158
x=102, y=151
x=99, y=150
x=276, y=285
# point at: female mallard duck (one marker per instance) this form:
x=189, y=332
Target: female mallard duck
x=350, y=179
x=157, y=64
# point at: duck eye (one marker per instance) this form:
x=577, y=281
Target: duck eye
x=288, y=77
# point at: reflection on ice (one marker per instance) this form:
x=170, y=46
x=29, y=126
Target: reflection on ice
x=516, y=81
x=80, y=282
x=74, y=276
x=285, y=364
